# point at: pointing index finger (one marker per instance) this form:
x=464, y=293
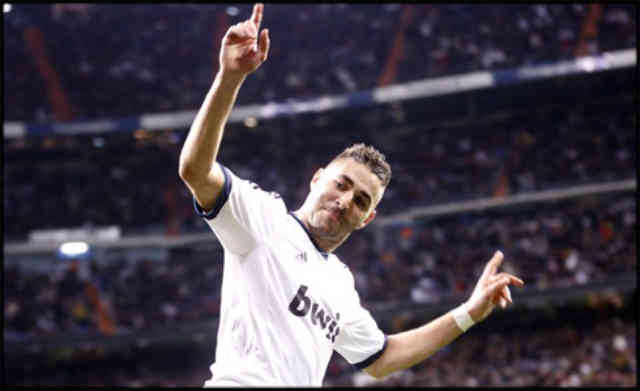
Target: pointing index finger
x=256, y=16
x=493, y=264
x=496, y=260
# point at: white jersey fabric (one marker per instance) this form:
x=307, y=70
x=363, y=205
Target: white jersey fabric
x=285, y=304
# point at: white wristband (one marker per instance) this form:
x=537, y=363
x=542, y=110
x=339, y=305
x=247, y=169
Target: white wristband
x=462, y=318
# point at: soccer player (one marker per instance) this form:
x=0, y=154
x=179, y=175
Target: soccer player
x=287, y=300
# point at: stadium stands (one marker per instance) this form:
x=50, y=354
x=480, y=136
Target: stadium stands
x=322, y=49
x=536, y=150
x=557, y=245
x=594, y=351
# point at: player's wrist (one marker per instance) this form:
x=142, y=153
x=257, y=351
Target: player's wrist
x=230, y=78
x=462, y=317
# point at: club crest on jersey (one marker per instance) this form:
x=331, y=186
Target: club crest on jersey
x=302, y=304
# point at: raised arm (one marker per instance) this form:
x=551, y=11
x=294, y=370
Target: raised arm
x=411, y=347
x=241, y=53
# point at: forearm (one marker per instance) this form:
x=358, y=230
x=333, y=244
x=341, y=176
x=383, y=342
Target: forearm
x=411, y=347
x=200, y=149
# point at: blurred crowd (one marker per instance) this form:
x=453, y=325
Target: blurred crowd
x=552, y=245
x=567, y=355
x=86, y=297
x=131, y=180
x=598, y=352
x=124, y=60
x=555, y=245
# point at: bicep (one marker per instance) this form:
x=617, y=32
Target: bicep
x=207, y=189
x=371, y=370
x=384, y=364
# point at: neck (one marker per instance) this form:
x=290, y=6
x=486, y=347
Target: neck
x=323, y=242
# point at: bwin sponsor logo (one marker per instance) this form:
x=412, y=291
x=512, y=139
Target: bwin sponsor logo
x=301, y=305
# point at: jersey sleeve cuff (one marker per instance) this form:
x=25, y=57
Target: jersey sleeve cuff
x=372, y=358
x=222, y=198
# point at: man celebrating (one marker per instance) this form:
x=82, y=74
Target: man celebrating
x=287, y=300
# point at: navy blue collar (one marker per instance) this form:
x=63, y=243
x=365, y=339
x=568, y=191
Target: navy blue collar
x=324, y=254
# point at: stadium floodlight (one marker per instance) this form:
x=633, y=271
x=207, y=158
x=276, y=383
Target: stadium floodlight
x=6, y=7
x=587, y=64
x=74, y=249
x=232, y=11
x=251, y=122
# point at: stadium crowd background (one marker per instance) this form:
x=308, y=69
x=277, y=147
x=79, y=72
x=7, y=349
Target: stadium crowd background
x=601, y=353
x=321, y=49
x=571, y=243
x=64, y=181
x=531, y=151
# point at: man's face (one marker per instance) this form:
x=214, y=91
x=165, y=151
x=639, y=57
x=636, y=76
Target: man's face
x=344, y=196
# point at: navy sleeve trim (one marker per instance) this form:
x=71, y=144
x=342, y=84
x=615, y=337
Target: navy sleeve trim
x=370, y=360
x=222, y=198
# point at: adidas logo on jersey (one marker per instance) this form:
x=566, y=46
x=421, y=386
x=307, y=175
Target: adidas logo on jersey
x=302, y=257
x=301, y=305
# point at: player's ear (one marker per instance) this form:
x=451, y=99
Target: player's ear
x=316, y=176
x=369, y=219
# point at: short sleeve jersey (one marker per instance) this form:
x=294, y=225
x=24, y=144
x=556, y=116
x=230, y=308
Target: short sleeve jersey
x=285, y=304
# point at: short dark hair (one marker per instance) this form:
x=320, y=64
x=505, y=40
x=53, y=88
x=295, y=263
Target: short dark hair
x=370, y=157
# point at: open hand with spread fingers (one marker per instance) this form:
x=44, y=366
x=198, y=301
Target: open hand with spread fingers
x=491, y=289
x=243, y=49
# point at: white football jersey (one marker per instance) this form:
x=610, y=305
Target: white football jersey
x=285, y=304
